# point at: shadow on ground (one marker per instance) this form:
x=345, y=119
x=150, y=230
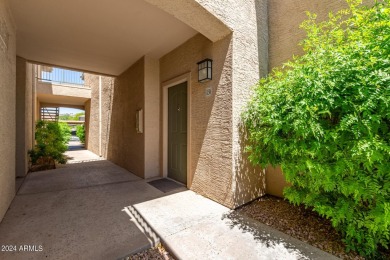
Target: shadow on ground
x=76, y=212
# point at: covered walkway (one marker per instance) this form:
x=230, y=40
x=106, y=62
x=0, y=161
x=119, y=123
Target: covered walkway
x=76, y=212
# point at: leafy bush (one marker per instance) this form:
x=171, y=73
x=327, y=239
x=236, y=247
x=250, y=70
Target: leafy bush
x=51, y=143
x=80, y=132
x=325, y=118
x=65, y=131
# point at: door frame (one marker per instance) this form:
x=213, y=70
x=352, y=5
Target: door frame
x=165, y=86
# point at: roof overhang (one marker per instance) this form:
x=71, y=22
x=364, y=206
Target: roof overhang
x=102, y=36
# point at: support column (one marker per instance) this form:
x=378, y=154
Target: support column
x=23, y=115
x=152, y=117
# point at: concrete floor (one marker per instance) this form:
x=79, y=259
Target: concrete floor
x=97, y=210
x=76, y=153
x=194, y=227
x=76, y=212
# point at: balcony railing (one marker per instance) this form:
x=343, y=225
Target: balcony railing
x=61, y=76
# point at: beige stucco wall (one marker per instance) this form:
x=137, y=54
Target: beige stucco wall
x=87, y=109
x=92, y=113
x=136, y=88
x=7, y=107
x=249, y=22
x=220, y=167
x=196, y=15
x=275, y=181
x=64, y=91
x=37, y=109
x=29, y=112
x=152, y=117
x=23, y=116
x=211, y=117
x=284, y=21
x=250, y=62
x=125, y=145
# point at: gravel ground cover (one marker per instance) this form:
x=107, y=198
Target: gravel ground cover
x=300, y=223
x=158, y=253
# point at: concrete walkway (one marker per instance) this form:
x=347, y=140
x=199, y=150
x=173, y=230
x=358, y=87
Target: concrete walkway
x=76, y=212
x=97, y=210
x=193, y=227
x=78, y=154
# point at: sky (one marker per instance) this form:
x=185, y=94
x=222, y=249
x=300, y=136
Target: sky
x=65, y=110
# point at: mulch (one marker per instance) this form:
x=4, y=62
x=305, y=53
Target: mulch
x=158, y=253
x=303, y=224
x=40, y=167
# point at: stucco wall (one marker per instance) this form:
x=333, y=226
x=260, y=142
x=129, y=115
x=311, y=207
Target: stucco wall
x=284, y=21
x=126, y=146
x=87, y=109
x=152, y=117
x=23, y=116
x=92, y=113
x=136, y=88
x=64, y=91
x=7, y=107
x=219, y=164
x=211, y=116
x=29, y=118
x=249, y=23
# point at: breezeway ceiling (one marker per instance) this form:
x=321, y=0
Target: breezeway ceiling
x=104, y=36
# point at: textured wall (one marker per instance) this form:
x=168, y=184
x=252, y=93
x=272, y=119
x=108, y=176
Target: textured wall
x=23, y=116
x=87, y=109
x=29, y=118
x=49, y=90
x=125, y=146
x=136, y=88
x=195, y=15
x=152, y=117
x=249, y=23
x=92, y=113
x=211, y=117
x=219, y=165
x=7, y=107
x=284, y=20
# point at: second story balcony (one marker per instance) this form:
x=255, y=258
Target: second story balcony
x=57, y=86
x=60, y=76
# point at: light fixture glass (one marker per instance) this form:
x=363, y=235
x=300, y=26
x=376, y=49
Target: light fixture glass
x=205, y=70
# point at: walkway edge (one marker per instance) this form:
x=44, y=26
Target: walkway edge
x=143, y=225
x=215, y=237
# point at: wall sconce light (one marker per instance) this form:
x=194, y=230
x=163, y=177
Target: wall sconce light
x=205, y=70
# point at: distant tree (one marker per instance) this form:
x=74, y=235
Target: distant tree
x=77, y=116
x=69, y=117
x=64, y=117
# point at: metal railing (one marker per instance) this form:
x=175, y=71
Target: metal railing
x=61, y=76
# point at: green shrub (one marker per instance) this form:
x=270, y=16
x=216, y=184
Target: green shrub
x=80, y=132
x=65, y=131
x=325, y=118
x=51, y=143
